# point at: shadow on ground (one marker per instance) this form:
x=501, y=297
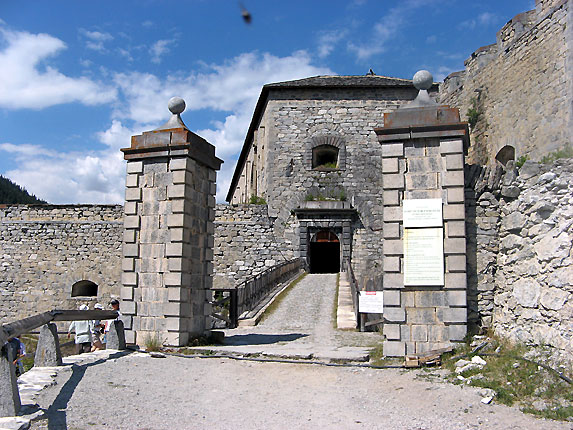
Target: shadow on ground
x=261, y=339
x=56, y=413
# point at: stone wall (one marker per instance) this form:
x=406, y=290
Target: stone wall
x=521, y=86
x=245, y=244
x=45, y=249
x=520, y=233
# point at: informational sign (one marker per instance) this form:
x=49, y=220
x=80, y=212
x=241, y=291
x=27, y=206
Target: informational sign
x=370, y=302
x=422, y=213
x=423, y=256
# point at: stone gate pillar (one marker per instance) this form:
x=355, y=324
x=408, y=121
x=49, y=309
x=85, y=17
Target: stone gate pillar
x=424, y=246
x=168, y=232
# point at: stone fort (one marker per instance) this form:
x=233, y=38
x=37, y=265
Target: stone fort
x=326, y=165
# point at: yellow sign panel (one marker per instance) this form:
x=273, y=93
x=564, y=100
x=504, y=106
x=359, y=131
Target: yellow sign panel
x=423, y=256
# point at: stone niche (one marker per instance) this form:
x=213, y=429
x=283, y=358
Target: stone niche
x=424, y=246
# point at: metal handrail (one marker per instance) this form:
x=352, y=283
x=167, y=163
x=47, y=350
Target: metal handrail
x=347, y=267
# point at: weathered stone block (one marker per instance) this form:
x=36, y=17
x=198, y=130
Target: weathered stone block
x=48, y=352
x=181, y=164
x=178, y=294
x=456, y=263
x=126, y=293
x=457, y=298
x=393, y=181
x=390, y=165
x=456, y=281
x=393, y=280
x=392, y=297
x=130, y=208
x=129, y=308
x=454, y=161
x=391, y=230
x=428, y=181
x=419, y=333
x=457, y=332
x=454, y=212
x=394, y=314
x=393, y=247
x=424, y=164
x=394, y=349
x=132, y=180
x=455, y=229
x=438, y=333
x=451, y=147
x=453, y=179
x=128, y=264
x=133, y=194
x=181, y=177
x=420, y=315
x=455, y=245
x=392, y=150
x=391, y=264
x=391, y=198
x=131, y=221
x=129, y=278
x=130, y=250
x=392, y=331
x=393, y=213
x=135, y=167
x=176, y=191
x=455, y=195
x=176, y=279
x=429, y=298
x=452, y=315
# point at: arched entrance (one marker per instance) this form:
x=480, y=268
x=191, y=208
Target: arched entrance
x=324, y=252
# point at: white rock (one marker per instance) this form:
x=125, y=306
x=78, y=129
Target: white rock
x=487, y=400
x=527, y=291
x=478, y=360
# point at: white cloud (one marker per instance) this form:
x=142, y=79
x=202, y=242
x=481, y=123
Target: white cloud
x=327, y=42
x=228, y=91
x=159, y=48
x=74, y=177
x=96, y=39
x=25, y=82
x=231, y=88
x=484, y=19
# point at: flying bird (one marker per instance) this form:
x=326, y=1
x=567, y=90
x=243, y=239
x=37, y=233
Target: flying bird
x=247, y=17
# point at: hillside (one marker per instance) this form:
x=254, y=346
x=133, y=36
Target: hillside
x=11, y=193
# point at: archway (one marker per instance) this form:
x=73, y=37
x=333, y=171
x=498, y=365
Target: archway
x=324, y=253
x=84, y=288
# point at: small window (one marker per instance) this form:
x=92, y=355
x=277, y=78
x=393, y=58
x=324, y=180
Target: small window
x=84, y=289
x=325, y=157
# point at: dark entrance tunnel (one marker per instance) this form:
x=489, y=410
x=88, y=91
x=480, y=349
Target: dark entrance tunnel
x=324, y=253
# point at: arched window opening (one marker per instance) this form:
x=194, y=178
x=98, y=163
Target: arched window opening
x=325, y=157
x=325, y=236
x=505, y=154
x=84, y=288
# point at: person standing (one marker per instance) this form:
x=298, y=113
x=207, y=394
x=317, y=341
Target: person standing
x=83, y=331
x=97, y=330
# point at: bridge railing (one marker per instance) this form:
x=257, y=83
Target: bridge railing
x=250, y=293
x=347, y=268
x=48, y=349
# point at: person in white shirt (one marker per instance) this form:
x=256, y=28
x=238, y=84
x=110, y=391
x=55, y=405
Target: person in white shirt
x=83, y=331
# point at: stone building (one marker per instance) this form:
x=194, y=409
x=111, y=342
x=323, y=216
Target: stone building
x=311, y=154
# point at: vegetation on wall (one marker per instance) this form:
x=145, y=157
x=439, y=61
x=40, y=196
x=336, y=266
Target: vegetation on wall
x=521, y=161
x=11, y=193
x=256, y=200
x=565, y=152
x=473, y=113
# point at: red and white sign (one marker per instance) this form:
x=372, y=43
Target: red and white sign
x=370, y=302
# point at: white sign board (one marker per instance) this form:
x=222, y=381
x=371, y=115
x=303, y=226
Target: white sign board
x=370, y=302
x=423, y=256
x=422, y=213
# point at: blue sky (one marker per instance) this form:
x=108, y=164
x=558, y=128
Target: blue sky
x=78, y=78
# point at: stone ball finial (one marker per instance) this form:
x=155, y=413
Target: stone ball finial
x=423, y=80
x=176, y=105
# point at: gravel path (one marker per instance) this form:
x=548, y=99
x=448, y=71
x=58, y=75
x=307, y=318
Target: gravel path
x=139, y=392
x=305, y=318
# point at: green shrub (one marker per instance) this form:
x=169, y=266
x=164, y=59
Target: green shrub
x=473, y=113
x=521, y=161
x=256, y=200
x=565, y=152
